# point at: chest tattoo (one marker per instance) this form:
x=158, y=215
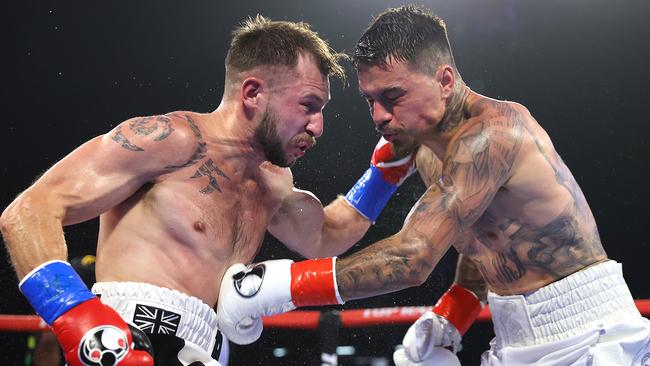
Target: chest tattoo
x=209, y=169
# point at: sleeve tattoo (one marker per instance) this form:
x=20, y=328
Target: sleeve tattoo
x=477, y=164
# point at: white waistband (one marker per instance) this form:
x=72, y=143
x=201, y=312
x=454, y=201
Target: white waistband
x=158, y=310
x=583, y=301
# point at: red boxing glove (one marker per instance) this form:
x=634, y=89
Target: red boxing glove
x=92, y=333
x=313, y=283
x=459, y=306
x=394, y=170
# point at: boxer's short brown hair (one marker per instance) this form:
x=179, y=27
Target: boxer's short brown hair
x=259, y=41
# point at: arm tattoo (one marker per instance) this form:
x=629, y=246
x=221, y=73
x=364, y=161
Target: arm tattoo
x=480, y=162
x=144, y=126
x=201, y=148
x=389, y=265
x=148, y=125
x=476, y=165
x=123, y=141
x=160, y=128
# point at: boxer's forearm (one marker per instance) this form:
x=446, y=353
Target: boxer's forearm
x=405, y=259
x=468, y=276
x=31, y=235
x=390, y=265
x=343, y=227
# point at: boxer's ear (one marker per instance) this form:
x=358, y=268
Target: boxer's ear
x=253, y=96
x=446, y=77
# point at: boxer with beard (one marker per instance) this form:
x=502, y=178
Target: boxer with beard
x=181, y=197
x=498, y=192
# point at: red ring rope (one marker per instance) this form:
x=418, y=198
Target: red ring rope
x=301, y=319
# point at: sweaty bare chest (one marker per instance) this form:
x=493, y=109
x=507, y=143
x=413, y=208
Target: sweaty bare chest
x=214, y=210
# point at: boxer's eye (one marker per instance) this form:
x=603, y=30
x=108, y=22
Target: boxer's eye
x=310, y=107
x=391, y=98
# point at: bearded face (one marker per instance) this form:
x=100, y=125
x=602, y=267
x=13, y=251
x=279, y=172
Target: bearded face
x=267, y=136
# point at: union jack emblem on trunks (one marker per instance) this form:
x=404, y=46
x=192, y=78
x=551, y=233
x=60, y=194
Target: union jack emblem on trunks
x=153, y=320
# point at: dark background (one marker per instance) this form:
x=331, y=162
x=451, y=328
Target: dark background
x=72, y=70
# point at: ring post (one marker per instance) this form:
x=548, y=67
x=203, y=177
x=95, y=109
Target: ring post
x=329, y=325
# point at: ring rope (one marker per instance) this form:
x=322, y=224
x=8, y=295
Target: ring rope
x=301, y=319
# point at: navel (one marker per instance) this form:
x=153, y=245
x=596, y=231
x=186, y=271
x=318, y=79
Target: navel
x=491, y=235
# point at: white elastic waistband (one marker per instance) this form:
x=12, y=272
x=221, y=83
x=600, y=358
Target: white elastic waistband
x=583, y=301
x=158, y=310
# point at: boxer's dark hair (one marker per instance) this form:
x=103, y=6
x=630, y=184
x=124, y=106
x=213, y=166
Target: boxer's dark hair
x=260, y=41
x=407, y=34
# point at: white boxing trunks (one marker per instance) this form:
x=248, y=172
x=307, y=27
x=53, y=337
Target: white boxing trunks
x=588, y=318
x=181, y=328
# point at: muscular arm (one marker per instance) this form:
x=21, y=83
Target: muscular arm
x=477, y=163
x=304, y=226
x=96, y=176
x=467, y=273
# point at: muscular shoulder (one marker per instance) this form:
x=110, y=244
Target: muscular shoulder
x=483, y=107
x=497, y=120
x=489, y=145
x=167, y=140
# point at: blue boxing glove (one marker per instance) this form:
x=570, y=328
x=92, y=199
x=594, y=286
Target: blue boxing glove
x=89, y=332
x=387, y=172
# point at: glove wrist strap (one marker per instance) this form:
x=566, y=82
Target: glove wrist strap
x=313, y=282
x=53, y=288
x=370, y=194
x=459, y=306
